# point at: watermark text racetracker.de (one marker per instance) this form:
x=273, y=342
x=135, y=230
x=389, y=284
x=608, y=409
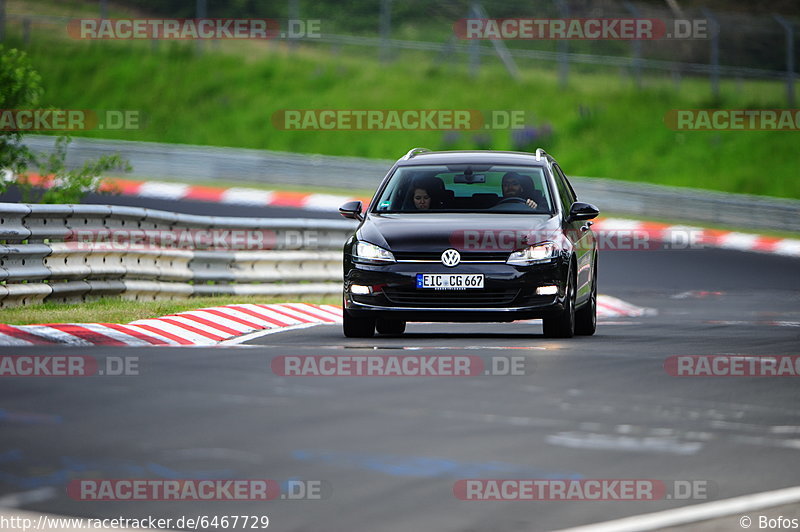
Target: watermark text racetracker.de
x=143, y=489
x=600, y=489
x=193, y=28
x=732, y=366
x=192, y=239
x=636, y=239
x=398, y=365
x=397, y=119
x=69, y=119
x=67, y=366
x=733, y=119
x=624, y=29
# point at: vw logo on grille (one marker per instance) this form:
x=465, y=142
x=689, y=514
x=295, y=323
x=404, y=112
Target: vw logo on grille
x=451, y=257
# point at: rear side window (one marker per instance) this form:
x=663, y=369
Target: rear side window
x=565, y=192
x=569, y=185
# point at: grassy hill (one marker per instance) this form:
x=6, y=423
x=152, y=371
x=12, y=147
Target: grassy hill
x=600, y=125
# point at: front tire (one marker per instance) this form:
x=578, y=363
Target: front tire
x=357, y=327
x=563, y=324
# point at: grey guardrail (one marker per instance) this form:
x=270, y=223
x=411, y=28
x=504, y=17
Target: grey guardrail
x=71, y=253
x=204, y=163
x=691, y=205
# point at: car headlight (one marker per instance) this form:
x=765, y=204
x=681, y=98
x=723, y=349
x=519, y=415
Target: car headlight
x=371, y=254
x=531, y=255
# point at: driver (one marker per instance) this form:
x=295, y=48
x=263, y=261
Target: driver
x=519, y=186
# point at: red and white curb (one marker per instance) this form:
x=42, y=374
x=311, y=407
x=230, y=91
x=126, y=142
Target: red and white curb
x=256, y=197
x=207, y=326
x=235, y=195
x=217, y=325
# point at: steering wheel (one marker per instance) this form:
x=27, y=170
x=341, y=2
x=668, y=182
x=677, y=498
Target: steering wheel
x=512, y=198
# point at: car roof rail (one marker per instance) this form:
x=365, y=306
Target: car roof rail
x=415, y=151
x=540, y=153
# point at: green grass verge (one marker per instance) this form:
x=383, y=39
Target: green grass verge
x=115, y=310
x=601, y=124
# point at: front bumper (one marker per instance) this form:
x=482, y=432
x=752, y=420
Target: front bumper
x=509, y=292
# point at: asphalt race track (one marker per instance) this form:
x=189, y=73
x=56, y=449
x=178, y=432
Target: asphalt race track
x=193, y=206
x=390, y=449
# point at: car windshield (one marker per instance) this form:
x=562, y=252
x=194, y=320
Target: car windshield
x=466, y=188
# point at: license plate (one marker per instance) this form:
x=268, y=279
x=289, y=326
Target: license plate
x=450, y=281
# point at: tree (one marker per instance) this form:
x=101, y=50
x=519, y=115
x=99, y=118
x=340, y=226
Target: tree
x=68, y=186
x=20, y=88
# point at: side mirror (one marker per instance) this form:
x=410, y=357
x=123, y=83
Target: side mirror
x=352, y=210
x=582, y=211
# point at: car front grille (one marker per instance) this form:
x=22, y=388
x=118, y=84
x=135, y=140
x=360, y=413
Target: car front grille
x=501, y=256
x=412, y=297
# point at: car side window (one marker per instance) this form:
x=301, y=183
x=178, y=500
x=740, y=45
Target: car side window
x=569, y=185
x=565, y=193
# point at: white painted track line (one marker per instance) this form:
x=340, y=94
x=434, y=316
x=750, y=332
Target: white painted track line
x=696, y=512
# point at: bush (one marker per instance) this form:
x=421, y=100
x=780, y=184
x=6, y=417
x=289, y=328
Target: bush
x=20, y=88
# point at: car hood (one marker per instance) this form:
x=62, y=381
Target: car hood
x=464, y=232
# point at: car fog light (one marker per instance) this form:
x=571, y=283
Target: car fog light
x=547, y=290
x=359, y=289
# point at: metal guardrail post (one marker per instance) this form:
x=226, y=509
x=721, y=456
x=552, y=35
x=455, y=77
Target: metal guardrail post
x=474, y=45
x=26, y=31
x=714, y=26
x=499, y=46
x=563, y=48
x=200, y=12
x=790, y=74
x=294, y=15
x=2, y=20
x=636, y=48
x=385, y=30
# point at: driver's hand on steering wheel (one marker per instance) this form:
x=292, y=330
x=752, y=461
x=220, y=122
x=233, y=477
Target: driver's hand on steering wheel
x=532, y=204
